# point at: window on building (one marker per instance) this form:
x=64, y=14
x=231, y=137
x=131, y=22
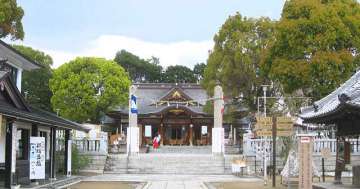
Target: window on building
x=45, y=135
x=14, y=73
x=22, y=144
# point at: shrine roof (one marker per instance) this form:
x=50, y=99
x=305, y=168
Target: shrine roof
x=153, y=98
x=347, y=96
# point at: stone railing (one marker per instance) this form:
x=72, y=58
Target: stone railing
x=91, y=145
x=253, y=146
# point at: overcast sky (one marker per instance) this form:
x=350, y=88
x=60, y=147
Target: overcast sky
x=176, y=31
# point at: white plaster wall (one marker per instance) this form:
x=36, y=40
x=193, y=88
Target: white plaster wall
x=2, y=142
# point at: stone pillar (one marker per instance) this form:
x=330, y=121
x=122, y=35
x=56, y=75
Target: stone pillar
x=133, y=129
x=218, y=130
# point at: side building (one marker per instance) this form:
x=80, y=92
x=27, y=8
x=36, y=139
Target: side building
x=19, y=122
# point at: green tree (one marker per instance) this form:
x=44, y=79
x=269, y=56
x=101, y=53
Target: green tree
x=35, y=83
x=140, y=70
x=10, y=20
x=179, y=74
x=85, y=88
x=235, y=59
x=316, y=47
x=198, y=71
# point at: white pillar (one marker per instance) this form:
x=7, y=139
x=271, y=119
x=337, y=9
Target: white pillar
x=133, y=129
x=218, y=130
x=18, y=78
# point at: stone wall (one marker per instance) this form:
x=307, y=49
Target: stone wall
x=97, y=163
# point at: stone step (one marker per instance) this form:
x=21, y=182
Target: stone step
x=172, y=163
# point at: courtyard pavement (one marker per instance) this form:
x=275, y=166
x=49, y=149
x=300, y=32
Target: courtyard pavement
x=166, y=181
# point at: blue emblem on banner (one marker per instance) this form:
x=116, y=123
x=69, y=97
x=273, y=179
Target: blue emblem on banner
x=133, y=105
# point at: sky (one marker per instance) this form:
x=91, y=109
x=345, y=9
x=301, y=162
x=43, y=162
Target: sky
x=179, y=32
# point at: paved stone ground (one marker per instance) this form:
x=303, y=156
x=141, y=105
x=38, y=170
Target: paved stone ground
x=164, y=181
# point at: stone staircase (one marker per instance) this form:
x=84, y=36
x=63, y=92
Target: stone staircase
x=170, y=163
x=181, y=150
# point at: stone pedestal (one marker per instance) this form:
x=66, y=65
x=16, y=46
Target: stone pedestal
x=218, y=147
x=356, y=175
x=133, y=140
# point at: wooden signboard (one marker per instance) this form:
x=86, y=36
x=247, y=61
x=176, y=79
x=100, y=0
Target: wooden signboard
x=284, y=123
x=284, y=120
x=264, y=133
x=264, y=121
x=284, y=133
x=281, y=126
x=264, y=126
x=305, y=162
x=325, y=153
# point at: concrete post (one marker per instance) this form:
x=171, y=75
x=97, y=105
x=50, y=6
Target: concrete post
x=218, y=147
x=133, y=129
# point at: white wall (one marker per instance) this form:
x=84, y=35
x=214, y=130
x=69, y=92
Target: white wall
x=2, y=140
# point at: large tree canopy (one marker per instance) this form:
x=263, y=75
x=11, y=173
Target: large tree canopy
x=316, y=46
x=35, y=83
x=140, y=70
x=235, y=59
x=179, y=74
x=10, y=19
x=84, y=88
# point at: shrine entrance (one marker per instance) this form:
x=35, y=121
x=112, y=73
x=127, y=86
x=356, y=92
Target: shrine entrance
x=176, y=135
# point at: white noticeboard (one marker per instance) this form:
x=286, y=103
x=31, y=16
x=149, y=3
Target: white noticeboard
x=37, y=158
x=204, y=130
x=147, y=130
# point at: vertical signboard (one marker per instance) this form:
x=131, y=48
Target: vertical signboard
x=37, y=158
x=305, y=162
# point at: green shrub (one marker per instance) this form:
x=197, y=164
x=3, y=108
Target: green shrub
x=78, y=160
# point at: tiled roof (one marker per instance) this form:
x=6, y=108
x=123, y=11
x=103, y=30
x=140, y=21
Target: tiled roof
x=13, y=55
x=33, y=115
x=348, y=94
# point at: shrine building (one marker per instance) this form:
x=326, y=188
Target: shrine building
x=176, y=112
